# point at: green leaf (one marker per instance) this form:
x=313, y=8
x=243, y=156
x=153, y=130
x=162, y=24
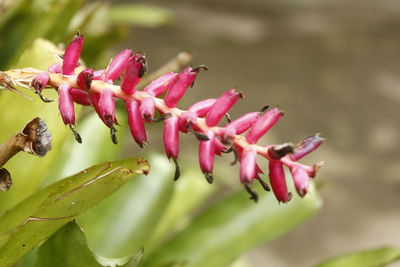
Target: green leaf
x=26, y=170
x=368, y=258
x=125, y=221
x=37, y=217
x=68, y=248
x=141, y=15
x=233, y=226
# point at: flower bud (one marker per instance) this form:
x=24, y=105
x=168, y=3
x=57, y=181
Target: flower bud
x=171, y=137
x=178, y=89
x=84, y=79
x=206, y=156
x=306, y=146
x=201, y=108
x=147, y=108
x=161, y=84
x=248, y=166
x=243, y=123
x=301, y=180
x=221, y=106
x=263, y=124
x=117, y=66
x=106, y=106
x=65, y=104
x=72, y=54
x=134, y=73
x=136, y=123
x=40, y=81
x=278, y=181
x=55, y=68
x=80, y=97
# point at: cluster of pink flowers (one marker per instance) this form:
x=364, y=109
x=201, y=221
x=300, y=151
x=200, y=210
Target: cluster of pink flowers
x=97, y=88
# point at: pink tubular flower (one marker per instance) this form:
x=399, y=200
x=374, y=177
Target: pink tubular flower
x=135, y=70
x=147, y=108
x=136, y=123
x=263, y=124
x=171, y=137
x=221, y=106
x=301, y=180
x=206, y=156
x=161, y=84
x=65, y=104
x=72, y=54
x=55, y=68
x=201, y=108
x=248, y=166
x=84, y=79
x=185, y=79
x=107, y=107
x=117, y=66
x=278, y=181
x=80, y=97
x=306, y=146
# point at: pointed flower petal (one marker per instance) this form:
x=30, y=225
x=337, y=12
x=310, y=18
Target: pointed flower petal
x=72, y=54
x=306, y=146
x=171, y=137
x=278, y=181
x=201, y=108
x=107, y=107
x=136, y=122
x=134, y=73
x=243, y=123
x=117, y=66
x=161, y=84
x=221, y=106
x=301, y=180
x=65, y=104
x=263, y=124
x=206, y=154
x=248, y=166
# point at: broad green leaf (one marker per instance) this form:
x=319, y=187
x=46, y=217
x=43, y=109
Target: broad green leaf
x=28, y=171
x=368, y=258
x=68, y=248
x=233, y=226
x=40, y=215
x=141, y=15
x=125, y=221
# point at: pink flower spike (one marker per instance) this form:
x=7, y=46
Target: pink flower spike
x=135, y=70
x=306, y=146
x=221, y=106
x=55, y=68
x=278, y=181
x=161, y=84
x=202, y=107
x=147, y=108
x=66, y=104
x=243, y=123
x=185, y=79
x=40, y=81
x=84, y=79
x=98, y=74
x=136, y=123
x=248, y=166
x=206, y=156
x=80, y=97
x=117, y=66
x=72, y=54
x=263, y=124
x=301, y=180
x=171, y=137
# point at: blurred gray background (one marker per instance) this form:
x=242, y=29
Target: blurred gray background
x=334, y=67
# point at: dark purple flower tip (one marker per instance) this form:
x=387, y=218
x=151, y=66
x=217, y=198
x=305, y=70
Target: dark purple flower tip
x=136, y=123
x=221, y=106
x=201, y=108
x=161, y=84
x=80, y=97
x=135, y=70
x=263, y=124
x=175, y=93
x=84, y=79
x=171, y=137
x=117, y=66
x=278, y=181
x=66, y=104
x=306, y=146
x=72, y=54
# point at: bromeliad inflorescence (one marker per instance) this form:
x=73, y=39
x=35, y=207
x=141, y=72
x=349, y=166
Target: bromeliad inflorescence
x=98, y=89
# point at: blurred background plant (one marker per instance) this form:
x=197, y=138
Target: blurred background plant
x=187, y=223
